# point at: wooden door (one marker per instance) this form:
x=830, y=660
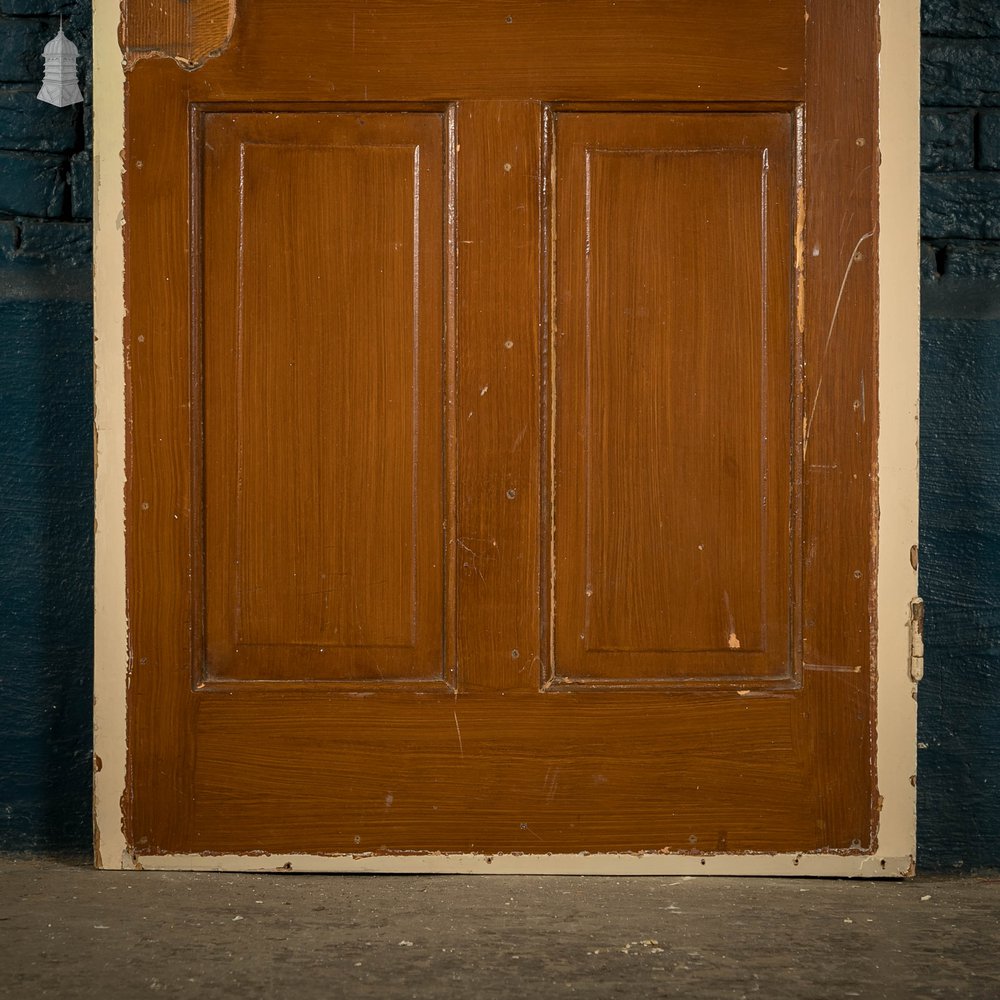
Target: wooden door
x=501, y=406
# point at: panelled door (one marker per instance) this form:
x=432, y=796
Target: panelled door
x=501, y=405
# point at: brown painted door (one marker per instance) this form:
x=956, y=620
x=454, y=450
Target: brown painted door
x=501, y=406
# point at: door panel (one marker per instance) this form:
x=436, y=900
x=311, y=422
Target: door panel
x=391, y=416
x=323, y=270
x=672, y=373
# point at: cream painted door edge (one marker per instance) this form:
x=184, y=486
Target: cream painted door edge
x=899, y=342
x=821, y=865
x=899, y=415
x=110, y=623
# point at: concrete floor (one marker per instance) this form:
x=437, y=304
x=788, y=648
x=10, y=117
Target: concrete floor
x=67, y=931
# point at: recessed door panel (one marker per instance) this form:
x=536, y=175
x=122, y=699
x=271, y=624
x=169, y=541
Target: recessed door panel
x=673, y=360
x=323, y=263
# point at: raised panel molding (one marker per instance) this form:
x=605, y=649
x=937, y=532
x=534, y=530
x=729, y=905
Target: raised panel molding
x=673, y=468
x=320, y=395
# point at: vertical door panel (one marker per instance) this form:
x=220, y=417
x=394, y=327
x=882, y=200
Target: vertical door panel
x=672, y=367
x=323, y=263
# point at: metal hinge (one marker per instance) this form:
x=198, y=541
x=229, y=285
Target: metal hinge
x=916, y=639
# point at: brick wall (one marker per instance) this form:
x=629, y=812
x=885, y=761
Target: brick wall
x=46, y=492
x=959, y=761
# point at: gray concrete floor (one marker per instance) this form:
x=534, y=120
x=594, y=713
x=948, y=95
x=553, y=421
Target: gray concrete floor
x=67, y=931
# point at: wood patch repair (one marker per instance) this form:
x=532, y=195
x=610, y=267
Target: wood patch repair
x=188, y=31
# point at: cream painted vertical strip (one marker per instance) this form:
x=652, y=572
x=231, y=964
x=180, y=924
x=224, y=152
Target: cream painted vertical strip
x=899, y=374
x=110, y=627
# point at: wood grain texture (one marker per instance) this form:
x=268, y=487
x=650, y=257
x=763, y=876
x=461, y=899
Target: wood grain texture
x=840, y=416
x=323, y=272
x=498, y=307
x=189, y=31
x=671, y=382
x=500, y=763
x=443, y=49
x=531, y=773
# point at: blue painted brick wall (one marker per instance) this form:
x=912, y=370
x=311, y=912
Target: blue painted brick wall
x=46, y=481
x=959, y=714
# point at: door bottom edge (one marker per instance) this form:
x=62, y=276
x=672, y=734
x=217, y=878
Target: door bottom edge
x=789, y=864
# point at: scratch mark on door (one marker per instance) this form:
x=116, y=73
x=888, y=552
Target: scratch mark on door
x=851, y=261
x=551, y=783
x=733, y=641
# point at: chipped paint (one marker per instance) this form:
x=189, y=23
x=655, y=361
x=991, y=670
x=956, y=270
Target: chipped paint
x=658, y=863
x=898, y=412
x=110, y=637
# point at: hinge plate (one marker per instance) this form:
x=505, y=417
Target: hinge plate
x=916, y=639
